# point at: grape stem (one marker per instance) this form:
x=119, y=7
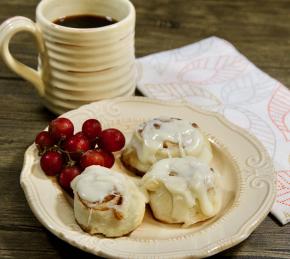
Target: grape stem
x=59, y=149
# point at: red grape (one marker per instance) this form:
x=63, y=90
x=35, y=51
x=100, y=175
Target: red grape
x=97, y=157
x=76, y=145
x=44, y=141
x=51, y=162
x=112, y=140
x=92, y=128
x=80, y=134
x=67, y=174
x=61, y=128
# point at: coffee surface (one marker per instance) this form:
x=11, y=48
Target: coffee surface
x=85, y=21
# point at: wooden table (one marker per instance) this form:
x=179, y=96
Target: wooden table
x=259, y=29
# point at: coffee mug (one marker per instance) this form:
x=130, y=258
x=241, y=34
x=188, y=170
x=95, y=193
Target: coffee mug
x=77, y=65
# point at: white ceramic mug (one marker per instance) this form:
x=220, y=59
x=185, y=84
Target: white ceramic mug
x=77, y=66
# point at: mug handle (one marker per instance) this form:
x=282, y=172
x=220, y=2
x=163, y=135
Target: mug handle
x=7, y=30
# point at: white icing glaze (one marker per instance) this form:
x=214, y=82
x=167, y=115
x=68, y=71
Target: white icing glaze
x=90, y=216
x=185, y=178
x=96, y=182
x=157, y=131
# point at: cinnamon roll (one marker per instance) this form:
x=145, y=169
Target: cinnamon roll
x=183, y=190
x=106, y=202
x=161, y=138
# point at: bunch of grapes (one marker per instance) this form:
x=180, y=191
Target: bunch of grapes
x=66, y=154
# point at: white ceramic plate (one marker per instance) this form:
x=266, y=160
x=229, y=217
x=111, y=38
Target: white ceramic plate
x=249, y=187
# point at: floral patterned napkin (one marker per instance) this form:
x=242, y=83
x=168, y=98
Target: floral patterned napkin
x=215, y=76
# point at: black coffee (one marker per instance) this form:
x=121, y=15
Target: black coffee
x=85, y=21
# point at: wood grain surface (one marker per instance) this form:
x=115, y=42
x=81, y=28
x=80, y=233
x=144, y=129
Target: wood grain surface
x=259, y=29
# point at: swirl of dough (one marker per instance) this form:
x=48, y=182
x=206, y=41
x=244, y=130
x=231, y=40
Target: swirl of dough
x=106, y=202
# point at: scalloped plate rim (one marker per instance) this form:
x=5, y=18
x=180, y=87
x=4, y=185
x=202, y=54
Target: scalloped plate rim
x=243, y=233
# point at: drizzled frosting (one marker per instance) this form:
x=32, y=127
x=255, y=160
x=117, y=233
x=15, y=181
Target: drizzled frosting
x=187, y=180
x=157, y=132
x=97, y=182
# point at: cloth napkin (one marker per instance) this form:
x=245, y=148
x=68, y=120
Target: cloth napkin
x=212, y=74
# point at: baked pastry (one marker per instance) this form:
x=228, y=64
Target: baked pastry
x=183, y=190
x=161, y=138
x=107, y=202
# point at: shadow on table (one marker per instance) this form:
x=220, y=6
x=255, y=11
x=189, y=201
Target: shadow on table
x=65, y=250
